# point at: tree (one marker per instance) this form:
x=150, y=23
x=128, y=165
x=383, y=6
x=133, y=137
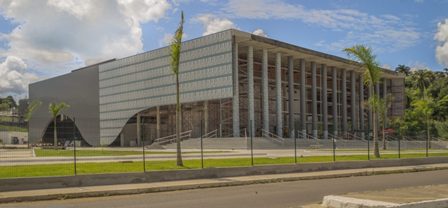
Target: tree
x=382, y=105
x=176, y=46
x=401, y=125
x=7, y=103
x=35, y=104
x=406, y=70
x=424, y=107
x=56, y=109
x=372, y=74
x=422, y=80
x=442, y=129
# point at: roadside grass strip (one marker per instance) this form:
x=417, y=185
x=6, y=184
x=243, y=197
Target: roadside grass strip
x=67, y=169
x=92, y=153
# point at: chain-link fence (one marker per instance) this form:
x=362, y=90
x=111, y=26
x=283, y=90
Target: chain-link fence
x=206, y=151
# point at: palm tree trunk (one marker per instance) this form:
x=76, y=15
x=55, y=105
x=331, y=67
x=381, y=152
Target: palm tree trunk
x=375, y=126
x=178, y=125
x=384, y=137
x=428, y=135
x=55, y=133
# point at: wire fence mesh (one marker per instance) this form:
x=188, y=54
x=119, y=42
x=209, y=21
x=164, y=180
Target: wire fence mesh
x=206, y=151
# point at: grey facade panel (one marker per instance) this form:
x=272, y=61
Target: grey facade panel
x=80, y=90
x=136, y=83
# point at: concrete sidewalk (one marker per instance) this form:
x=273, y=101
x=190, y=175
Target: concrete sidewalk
x=96, y=191
x=435, y=196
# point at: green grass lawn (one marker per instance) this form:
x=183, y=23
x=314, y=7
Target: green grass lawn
x=12, y=128
x=117, y=167
x=87, y=153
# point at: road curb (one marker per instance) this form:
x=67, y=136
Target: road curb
x=82, y=192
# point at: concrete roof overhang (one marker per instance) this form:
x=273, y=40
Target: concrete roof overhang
x=275, y=46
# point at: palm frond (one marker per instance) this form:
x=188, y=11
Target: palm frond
x=365, y=56
x=176, y=46
x=31, y=108
x=56, y=108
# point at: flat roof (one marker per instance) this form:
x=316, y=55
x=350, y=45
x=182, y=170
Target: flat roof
x=309, y=54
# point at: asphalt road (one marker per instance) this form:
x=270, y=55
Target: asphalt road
x=288, y=194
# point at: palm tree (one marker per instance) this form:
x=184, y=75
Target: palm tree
x=56, y=109
x=382, y=106
x=175, y=59
x=35, y=104
x=403, y=69
x=372, y=75
x=423, y=79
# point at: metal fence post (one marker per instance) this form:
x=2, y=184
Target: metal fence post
x=427, y=147
x=74, y=146
x=202, y=149
x=399, y=148
x=368, y=145
x=143, y=146
x=334, y=149
x=144, y=156
x=295, y=148
x=251, y=143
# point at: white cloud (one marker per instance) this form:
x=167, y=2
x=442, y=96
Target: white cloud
x=442, y=37
x=15, y=77
x=50, y=34
x=54, y=36
x=260, y=32
x=386, y=32
x=167, y=39
x=213, y=24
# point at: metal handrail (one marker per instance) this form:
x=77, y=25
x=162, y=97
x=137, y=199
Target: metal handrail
x=172, y=138
x=355, y=136
x=307, y=136
x=211, y=134
x=272, y=136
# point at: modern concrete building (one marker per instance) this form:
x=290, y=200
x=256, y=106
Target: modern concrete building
x=233, y=81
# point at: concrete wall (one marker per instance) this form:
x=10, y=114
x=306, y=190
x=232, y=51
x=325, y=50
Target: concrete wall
x=136, y=83
x=79, y=89
x=399, y=98
x=7, y=136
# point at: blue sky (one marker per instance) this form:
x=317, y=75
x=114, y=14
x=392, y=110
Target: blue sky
x=45, y=38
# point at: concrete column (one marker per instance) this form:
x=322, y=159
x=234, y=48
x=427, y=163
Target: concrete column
x=361, y=105
x=353, y=101
x=314, y=98
x=377, y=90
x=250, y=77
x=122, y=139
x=291, y=126
x=139, y=129
x=265, y=89
x=158, y=121
x=324, y=101
x=303, y=96
x=220, y=118
x=236, y=94
x=206, y=121
x=344, y=100
x=278, y=88
x=335, y=101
